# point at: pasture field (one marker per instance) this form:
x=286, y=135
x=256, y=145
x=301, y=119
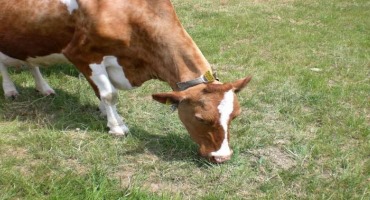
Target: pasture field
x=304, y=131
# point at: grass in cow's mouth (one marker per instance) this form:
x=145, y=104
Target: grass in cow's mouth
x=303, y=132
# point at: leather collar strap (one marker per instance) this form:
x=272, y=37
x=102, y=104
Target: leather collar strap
x=206, y=78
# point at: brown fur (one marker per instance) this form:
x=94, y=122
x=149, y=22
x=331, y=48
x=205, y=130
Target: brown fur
x=34, y=34
x=146, y=37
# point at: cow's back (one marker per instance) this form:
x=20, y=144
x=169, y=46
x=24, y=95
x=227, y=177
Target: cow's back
x=32, y=28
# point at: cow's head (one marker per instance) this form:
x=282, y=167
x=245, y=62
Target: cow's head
x=206, y=110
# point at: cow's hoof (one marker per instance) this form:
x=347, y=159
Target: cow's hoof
x=48, y=92
x=45, y=89
x=11, y=94
x=125, y=128
x=119, y=130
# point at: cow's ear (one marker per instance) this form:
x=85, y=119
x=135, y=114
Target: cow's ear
x=240, y=84
x=169, y=97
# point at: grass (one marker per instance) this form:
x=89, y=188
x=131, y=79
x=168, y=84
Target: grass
x=303, y=133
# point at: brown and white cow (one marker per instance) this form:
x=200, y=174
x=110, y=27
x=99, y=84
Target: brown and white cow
x=120, y=44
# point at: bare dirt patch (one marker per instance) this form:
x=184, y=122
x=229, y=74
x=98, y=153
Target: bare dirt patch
x=177, y=183
x=125, y=175
x=276, y=157
x=128, y=173
x=150, y=173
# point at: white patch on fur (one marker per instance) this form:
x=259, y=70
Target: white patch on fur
x=225, y=108
x=101, y=76
x=9, y=61
x=116, y=74
x=71, y=5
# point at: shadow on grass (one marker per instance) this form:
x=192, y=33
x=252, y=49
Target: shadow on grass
x=169, y=147
x=64, y=111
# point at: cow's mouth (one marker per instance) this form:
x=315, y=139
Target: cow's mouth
x=219, y=159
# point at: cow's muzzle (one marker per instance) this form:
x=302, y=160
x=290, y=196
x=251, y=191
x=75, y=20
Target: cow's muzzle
x=220, y=159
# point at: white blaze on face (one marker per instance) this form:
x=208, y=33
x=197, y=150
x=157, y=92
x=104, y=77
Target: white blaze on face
x=225, y=108
x=71, y=5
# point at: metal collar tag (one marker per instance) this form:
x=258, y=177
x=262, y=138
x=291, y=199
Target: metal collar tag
x=206, y=78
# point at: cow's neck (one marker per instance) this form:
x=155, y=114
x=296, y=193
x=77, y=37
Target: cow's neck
x=186, y=63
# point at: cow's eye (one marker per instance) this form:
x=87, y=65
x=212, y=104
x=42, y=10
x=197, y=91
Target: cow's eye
x=201, y=119
x=234, y=116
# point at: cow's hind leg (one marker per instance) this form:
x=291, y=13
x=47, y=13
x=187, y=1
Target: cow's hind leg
x=98, y=78
x=109, y=99
x=41, y=85
x=8, y=86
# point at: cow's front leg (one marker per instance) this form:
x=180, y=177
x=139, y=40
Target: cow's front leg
x=109, y=98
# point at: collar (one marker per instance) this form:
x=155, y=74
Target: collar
x=205, y=78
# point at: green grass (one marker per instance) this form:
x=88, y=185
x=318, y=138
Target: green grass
x=303, y=133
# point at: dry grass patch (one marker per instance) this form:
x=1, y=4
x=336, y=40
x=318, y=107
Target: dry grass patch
x=14, y=152
x=279, y=159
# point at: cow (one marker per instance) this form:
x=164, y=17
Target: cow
x=120, y=44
